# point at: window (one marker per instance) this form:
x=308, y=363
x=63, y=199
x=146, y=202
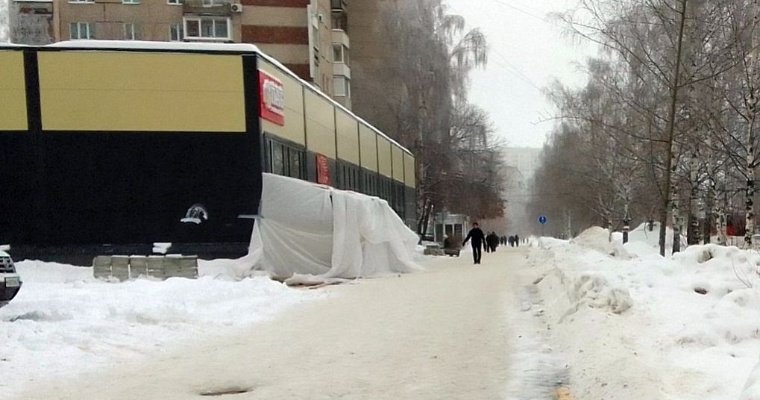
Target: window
x=175, y=33
x=370, y=183
x=81, y=30
x=340, y=53
x=130, y=32
x=82, y=1
x=175, y=2
x=130, y=1
x=398, y=198
x=348, y=176
x=282, y=159
x=339, y=20
x=207, y=28
x=342, y=86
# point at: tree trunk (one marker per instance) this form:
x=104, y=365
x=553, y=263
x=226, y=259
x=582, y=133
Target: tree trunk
x=750, y=191
x=676, y=221
x=671, y=129
x=720, y=217
x=626, y=224
x=692, y=233
x=708, y=212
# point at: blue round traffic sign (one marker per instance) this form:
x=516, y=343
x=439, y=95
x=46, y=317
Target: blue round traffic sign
x=542, y=219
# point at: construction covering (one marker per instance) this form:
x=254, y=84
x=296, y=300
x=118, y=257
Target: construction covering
x=309, y=234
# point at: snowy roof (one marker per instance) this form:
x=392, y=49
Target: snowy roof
x=150, y=45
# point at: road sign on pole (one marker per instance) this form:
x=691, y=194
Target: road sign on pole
x=542, y=220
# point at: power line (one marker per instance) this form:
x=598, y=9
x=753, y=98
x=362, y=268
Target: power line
x=520, y=10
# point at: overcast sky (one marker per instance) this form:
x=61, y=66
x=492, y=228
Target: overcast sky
x=527, y=51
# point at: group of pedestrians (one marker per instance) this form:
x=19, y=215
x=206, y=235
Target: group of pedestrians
x=490, y=242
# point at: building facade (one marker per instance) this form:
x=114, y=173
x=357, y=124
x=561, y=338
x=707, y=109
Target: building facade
x=309, y=37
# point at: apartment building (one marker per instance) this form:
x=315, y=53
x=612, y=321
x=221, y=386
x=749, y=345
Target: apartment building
x=307, y=36
x=372, y=58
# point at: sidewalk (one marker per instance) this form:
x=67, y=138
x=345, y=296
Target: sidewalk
x=430, y=335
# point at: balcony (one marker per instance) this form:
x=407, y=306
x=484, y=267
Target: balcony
x=341, y=69
x=339, y=36
x=338, y=5
x=207, y=7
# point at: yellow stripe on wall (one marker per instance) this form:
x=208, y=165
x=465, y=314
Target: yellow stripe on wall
x=398, y=163
x=320, y=124
x=293, y=130
x=13, y=115
x=384, y=157
x=368, y=146
x=125, y=91
x=347, y=129
x=409, y=171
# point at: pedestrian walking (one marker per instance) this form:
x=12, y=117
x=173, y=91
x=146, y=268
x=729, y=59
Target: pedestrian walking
x=492, y=241
x=478, y=240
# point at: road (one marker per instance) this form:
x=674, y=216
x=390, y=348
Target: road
x=438, y=334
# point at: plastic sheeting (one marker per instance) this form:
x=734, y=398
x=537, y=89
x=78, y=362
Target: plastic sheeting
x=314, y=234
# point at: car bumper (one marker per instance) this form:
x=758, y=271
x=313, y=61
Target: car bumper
x=8, y=293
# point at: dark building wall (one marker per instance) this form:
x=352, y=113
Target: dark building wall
x=376, y=91
x=275, y=34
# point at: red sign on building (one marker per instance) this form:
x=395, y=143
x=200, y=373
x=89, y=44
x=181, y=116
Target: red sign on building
x=272, y=98
x=323, y=170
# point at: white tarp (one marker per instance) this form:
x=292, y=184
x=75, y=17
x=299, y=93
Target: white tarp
x=312, y=234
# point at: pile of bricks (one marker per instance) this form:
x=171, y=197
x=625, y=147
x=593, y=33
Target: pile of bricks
x=122, y=268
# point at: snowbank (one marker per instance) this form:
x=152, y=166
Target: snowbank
x=64, y=322
x=685, y=327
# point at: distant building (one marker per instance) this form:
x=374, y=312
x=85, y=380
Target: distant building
x=521, y=164
x=307, y=36
x=524, y=159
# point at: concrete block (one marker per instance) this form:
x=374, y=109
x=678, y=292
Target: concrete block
x=155, y=266
x=120, y=267
x=101, y=267
x=138, y=265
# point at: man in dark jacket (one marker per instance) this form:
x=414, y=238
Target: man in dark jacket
x=478, y=240
x=492, y=241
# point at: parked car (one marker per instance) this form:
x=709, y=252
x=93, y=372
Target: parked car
x=10, y=281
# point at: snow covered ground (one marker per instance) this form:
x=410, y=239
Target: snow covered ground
x=633, y=325
x=610, y=321
x=65, y=323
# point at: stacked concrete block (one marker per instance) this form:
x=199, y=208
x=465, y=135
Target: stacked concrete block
x=181, y=266
x=138, y=266
x=101, y=267
x=155, y=267
x=120, y=268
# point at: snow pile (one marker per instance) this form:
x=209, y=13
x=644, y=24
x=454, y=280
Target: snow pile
x=599, y=239
x=546, y=243
x=596, y=238
x=309, y=233
x=685, y=327
x=64, y=322
x=752, y=389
